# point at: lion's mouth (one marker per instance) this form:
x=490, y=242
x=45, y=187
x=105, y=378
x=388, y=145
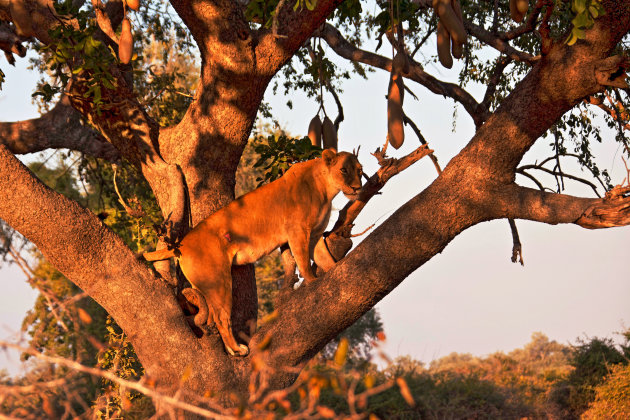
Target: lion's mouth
x=351, y=195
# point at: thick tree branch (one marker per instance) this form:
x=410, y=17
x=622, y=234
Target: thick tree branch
x=593, y=213
x=345, y=49
x=294, y=27
x=60, y=128
x=89, y=254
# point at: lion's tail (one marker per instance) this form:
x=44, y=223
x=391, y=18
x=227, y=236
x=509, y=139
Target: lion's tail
x=158, y=255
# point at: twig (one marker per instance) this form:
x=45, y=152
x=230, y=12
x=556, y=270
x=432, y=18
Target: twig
x=556, y=173
x=137, y=213
x=528, y=26
x=502, y=62
x=416, y=130
x=24, y=389
x=525, y=174
x=363, y=233
x=340, y=116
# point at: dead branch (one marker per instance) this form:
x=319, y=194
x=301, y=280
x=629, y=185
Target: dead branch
x=532, y=178
x=389, y=168
x=517, y=248
x=136, y=386
x=559, y=173
x=36, y=387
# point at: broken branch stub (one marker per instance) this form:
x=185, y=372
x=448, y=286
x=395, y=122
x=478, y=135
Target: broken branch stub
x=611, y=71
x=612, y=211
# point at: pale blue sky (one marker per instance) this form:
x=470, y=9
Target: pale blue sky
x=470, y=298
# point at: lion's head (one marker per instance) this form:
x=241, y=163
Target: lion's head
x=345, y=172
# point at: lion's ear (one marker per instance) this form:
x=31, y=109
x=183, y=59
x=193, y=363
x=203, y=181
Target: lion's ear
x=329, y=156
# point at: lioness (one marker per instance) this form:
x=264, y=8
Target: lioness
x=293, y=209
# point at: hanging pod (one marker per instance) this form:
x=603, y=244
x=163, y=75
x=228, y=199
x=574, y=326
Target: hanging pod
x=518, y=9
x=450, y=20
x=315, y=131
x=395, y=96
x=444, y=46
x=457, y=48
x=329, y=134
x=522, y=6
x=125, y=45
x=133, y=4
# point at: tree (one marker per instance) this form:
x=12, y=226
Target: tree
x=190, y=165
x=586, y=385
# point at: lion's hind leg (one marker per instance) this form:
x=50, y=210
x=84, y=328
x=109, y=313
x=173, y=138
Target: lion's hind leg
x=210, y=275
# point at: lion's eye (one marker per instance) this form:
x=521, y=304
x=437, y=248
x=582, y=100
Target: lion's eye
x=344, y=171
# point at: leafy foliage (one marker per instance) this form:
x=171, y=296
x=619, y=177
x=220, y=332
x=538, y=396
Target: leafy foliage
x=360, y=337
x=119, y=357
x=592, y=360
x=278, y=152
x=586, y=11
x=612, y=396
x=70, y=42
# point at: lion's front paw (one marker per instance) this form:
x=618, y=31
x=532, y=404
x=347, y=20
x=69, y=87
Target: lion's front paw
x=310, y=279
x=242, y=351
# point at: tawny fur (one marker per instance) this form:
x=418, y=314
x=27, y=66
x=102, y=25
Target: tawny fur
x=294, y=209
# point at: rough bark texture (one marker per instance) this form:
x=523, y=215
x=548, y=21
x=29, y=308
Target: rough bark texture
x=62, y=127
x=201, y=153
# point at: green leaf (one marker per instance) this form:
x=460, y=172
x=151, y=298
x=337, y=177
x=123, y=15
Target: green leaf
x=582, y=20
x=579, y=6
